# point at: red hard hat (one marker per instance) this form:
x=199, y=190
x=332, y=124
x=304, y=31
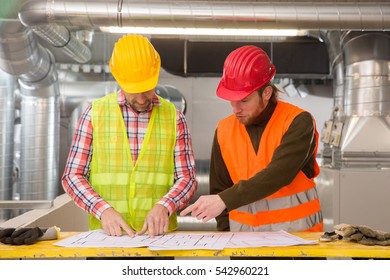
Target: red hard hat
x=245, y=70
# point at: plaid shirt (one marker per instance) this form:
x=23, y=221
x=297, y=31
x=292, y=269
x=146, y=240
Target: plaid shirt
x=77, y=169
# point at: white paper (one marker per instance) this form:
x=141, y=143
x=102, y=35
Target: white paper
x=181, y=241
x=264, y=239
x=177, y=241
x=185, y=241
x=97, y=238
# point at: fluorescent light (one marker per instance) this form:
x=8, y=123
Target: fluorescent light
x=203, y=31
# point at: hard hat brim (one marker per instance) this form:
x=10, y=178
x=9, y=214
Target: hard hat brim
x=231, y=95
x=134, y=88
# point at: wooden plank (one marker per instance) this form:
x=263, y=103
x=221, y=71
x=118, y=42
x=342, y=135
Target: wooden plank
x=336, y=249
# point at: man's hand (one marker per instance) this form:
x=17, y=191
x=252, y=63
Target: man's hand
x=156, y=221
x=113, y=223
x=205, y=208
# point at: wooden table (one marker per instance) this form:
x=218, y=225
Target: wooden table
x=335, y=249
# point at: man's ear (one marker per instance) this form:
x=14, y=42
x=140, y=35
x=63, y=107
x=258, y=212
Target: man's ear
x=267, y=93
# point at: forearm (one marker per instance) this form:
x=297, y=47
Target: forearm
x=82, y=193
x=180, y=194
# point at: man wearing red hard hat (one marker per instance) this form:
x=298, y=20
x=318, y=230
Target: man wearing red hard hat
x=263, y=160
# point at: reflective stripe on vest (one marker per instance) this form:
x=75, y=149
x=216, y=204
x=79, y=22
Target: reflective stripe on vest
x=132, y=189
x=304, y=206
x=295, y=206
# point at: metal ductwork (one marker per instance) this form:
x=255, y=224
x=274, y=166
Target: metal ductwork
x=208, y=14
x=22, y=56
x=332, y=39
x=61, y=37
x=40, y=116
x=7, y=116
x=333, y=42
x=354, y=186
x=360, y=70
x=366, y=131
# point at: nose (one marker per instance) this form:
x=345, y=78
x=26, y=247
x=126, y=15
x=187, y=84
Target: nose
x=235, y=106
x=141, y=98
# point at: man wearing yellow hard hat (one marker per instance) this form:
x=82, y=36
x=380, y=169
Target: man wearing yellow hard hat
x=131, y=164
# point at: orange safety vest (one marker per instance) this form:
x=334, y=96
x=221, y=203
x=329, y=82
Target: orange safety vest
x=294, y=207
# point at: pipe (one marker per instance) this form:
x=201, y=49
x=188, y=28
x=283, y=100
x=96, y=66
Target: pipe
x=39, y=151
x=332, y=40
x=208, y=14
x=22, y=56
x=61, y=37
x=7, y=117
x=367, y=77
x=366, y=100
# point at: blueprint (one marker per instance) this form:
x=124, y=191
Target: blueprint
x=185, y=241
x=177, y=241
x=265, y=239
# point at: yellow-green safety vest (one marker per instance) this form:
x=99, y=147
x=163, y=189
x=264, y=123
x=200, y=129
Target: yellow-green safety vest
x=132, y=189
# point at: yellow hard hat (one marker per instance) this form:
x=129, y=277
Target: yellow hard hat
x=135, y=64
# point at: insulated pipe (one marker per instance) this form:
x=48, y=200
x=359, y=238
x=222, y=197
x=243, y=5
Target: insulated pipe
x=61, y=37
x=332, y=40
x=39, y=151
x=58, y=36
x=366, y=101
x=367, y=76
x=208, y=14
x=22, y=56
x=7, y=118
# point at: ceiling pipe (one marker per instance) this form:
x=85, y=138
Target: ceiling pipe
x=208, y=14
x=21, y=55
x=60, y=37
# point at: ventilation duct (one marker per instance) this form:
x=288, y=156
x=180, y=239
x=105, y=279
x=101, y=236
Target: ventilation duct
x=366, y=133
x=304, y=59
x=40, y=138
x=60, y=37
x=332, y=40
x=22, y=56
x=7, y=117
x=208, y=14
x=354, y=188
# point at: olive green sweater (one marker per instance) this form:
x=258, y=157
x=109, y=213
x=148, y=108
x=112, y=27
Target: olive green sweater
x=295, y=153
